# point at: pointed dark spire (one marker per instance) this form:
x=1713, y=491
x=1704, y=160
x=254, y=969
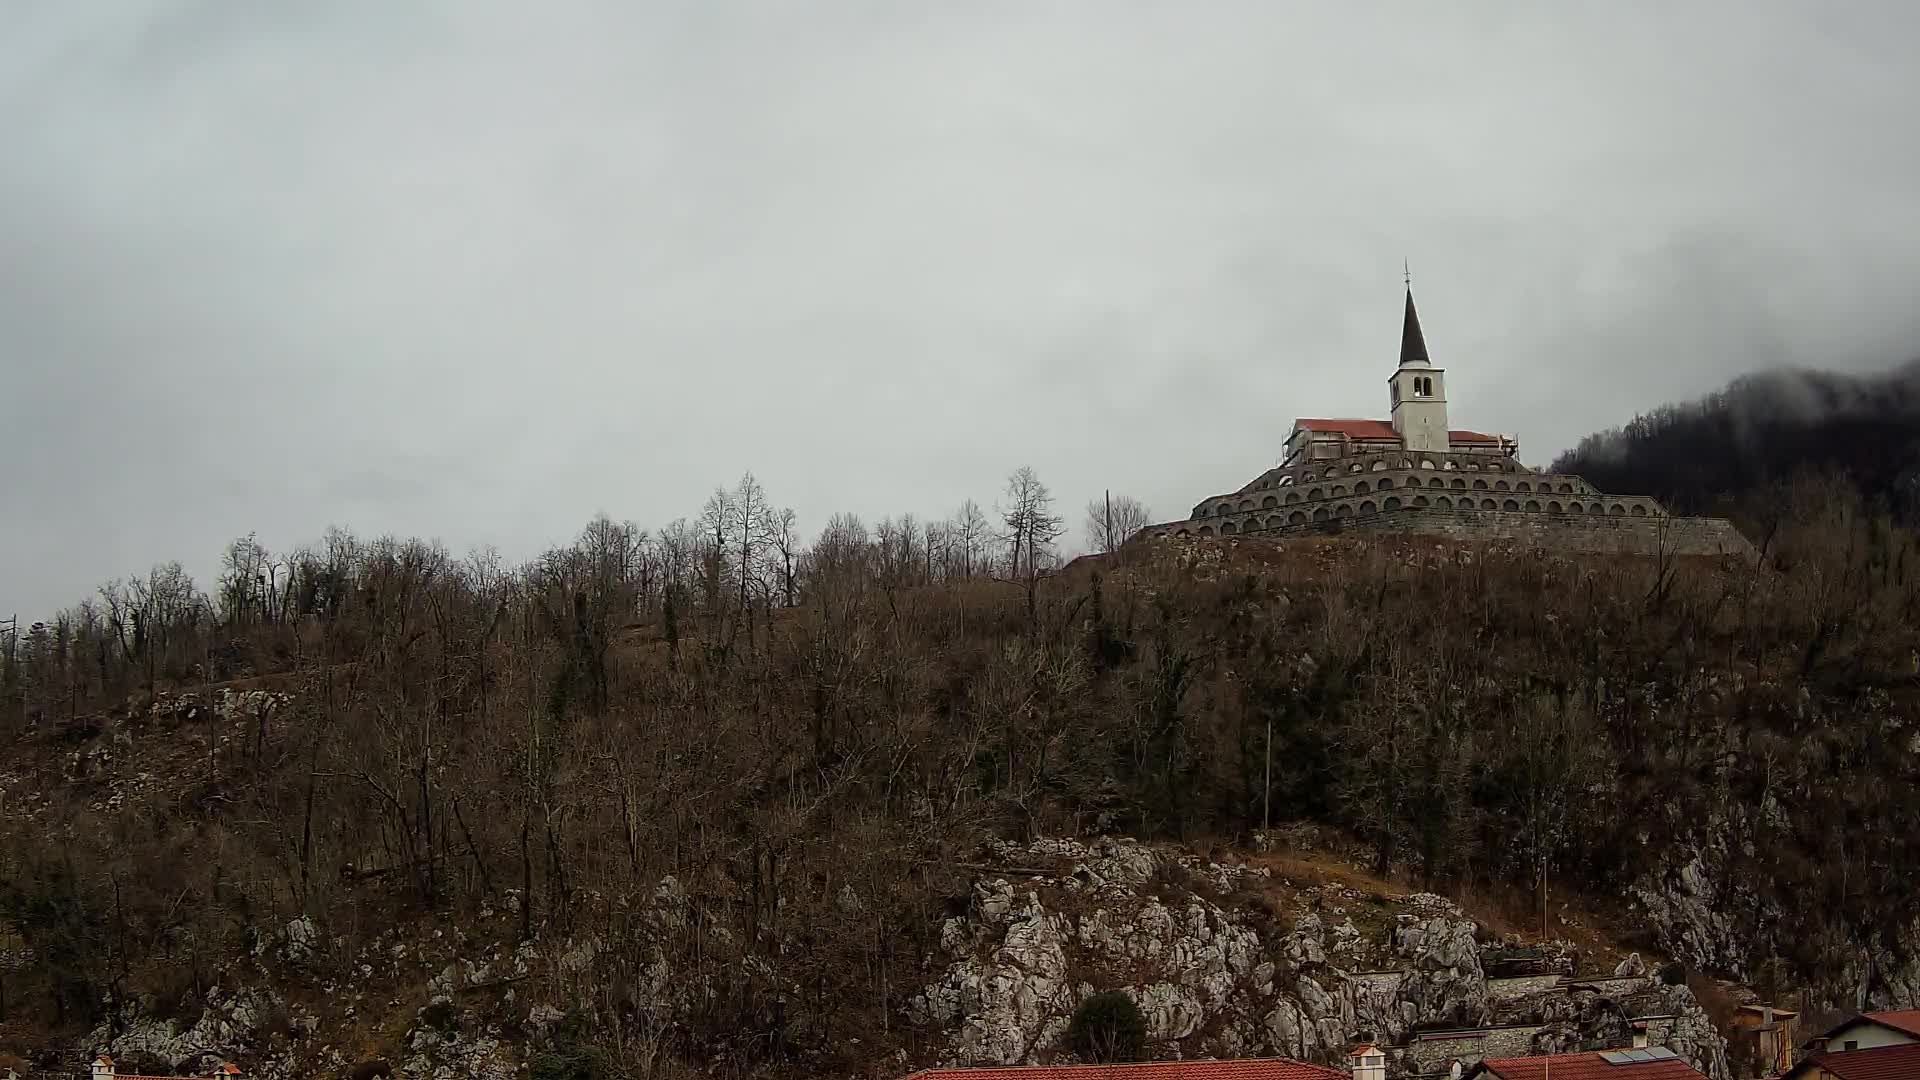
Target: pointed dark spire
x=1413, y=344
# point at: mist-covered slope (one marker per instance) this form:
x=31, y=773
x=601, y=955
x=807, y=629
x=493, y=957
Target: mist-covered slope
x=1754, y=435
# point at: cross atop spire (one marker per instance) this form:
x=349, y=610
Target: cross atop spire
x=1413, y=344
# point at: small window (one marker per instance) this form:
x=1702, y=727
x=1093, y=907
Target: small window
x=1852, y=1044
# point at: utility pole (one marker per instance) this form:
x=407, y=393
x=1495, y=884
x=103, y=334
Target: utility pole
x=1543, y=900
x=1266, y=785
x=1106, y=540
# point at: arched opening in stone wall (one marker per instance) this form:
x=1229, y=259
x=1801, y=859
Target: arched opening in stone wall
x=1246, y=504
x=1269, y=501
x=1321, y=514
x=1298, y=517
x=1368, y=507
x=1228, y=528
x=1618, y=510
x=1595, y=508
x=1639, y=511
x=1356, y=467
x=1274, y=522
x=1206, y=530
x=1338, y=490
x=1566, y=489
x=1533, y=506
x=1489, y=504
x=1316, y=495
x=1444, y=502
x=1344, y=510
x=1523, y=486
x=1502, y=485
x=1576, y=508
x=1459, y=484
x=1183, y=534
x=1393, y=502
x=1292, y=497
x=1427, y=463
x=1224, y=508
x=1385, y=484
x=1361, y=488
x=1479, y=485
x=1448, y=465
x=1554, y=507
x=1510, y=504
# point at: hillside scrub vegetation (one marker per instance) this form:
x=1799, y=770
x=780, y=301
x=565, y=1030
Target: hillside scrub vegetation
x=808, y=743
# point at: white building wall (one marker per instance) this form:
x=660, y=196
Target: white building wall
x=1868, y=1036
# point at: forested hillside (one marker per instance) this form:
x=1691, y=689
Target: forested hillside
x=346, y=752
x=1750, y=438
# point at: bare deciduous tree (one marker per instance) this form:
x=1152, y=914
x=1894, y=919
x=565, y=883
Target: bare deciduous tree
x=1030, y=529
x=1111, y=521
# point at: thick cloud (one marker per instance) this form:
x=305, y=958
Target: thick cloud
x=479, y=270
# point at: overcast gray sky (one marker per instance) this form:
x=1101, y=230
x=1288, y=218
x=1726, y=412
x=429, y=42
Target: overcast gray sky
x=479, y=270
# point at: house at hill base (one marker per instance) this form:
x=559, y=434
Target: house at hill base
x=1414, y=474
x=1238, y=1069
x=1644, y=1063
x=103, y=1069
x=1894, y=1027
x=1764, y=1035
x=1897, y=1061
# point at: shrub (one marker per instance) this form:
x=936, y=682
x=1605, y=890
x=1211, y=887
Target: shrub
x=1108, y=1027
x=441, y=1015
x=572, y=1063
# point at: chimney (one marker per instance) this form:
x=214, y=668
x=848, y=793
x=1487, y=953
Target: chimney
x=1369, y=1062
x=103, y=1068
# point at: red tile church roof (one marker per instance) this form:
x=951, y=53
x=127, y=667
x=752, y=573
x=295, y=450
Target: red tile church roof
x=1382, y=429
x=1248, y=1069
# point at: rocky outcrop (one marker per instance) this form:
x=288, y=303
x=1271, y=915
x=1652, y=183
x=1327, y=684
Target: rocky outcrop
x=230, y=1025
x=1214, y=980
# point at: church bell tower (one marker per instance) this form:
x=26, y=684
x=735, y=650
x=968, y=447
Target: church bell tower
x=1419, y=391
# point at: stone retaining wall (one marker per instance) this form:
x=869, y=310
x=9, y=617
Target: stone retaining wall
x=1589, y=533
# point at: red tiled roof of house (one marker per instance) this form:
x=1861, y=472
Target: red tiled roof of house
x=1900, y=1062
x=1244, y=1069
x=1382, y=429
x=1587, y=1066
x=1907, y=1020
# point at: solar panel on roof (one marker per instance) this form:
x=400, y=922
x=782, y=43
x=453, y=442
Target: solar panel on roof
x=1615, y=1057
x=1661, y=1053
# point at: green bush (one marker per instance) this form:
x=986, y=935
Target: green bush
x=572, y=1063
x=1107, y=1028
